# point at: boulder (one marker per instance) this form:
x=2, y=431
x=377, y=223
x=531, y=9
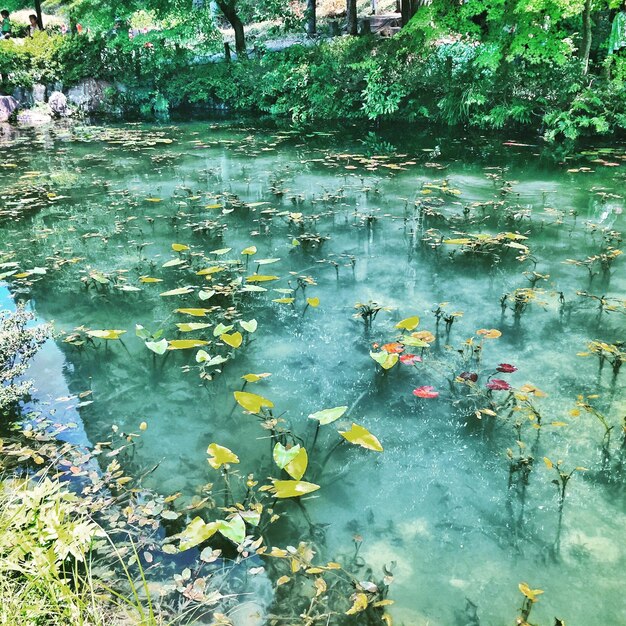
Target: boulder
x=89, y=95
x=23, y=96
x=58, y=104
x=39, y=93
x=33, y=117
x=8, y=104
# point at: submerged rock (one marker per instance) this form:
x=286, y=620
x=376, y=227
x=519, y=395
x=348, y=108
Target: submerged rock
x=33, y=117
x=8, y=105
x=89, y=95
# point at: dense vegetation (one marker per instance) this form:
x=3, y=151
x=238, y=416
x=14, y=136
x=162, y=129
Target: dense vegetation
x=483, y=63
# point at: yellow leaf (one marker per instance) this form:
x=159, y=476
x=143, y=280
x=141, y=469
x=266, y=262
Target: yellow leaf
x=255, y=378
x=179, y=247
x=249, y=251
x=489, y=334
x=234, y=340
x=154, y=199
x=185, y=344
x=220, y=456
x=297, y=467
x=313, y=302
x=282, y=580
x=559, y=423
x=409, y=323
x=106, y=334
x=292, y=488
x=320, y=586
x=251, y=401
x=457, y=242
x=548, y=462
x=143, y=426
x=259, y=278
x=207, y=271
x=385, y=359
x=283, y=300
x=383, y=603
x=194, y=312
x=531, y=594
x=361, y=437
x=359, y=604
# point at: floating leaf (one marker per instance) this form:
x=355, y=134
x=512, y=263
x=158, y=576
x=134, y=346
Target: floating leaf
x=409, y=323
x=220, y=329
x=233, y=529
x=181, y=291
x=361, y=437
x=220, y=251
x=249, y=251
x=196, y=532
x=251, y=401
x=284, y=300
x=313, y=302
x=174, y=263
x=457, y=242
x=149, y=279
x=282, y=580
x=283, y=456
x=548, y=462
x=250, y=326
x=158, y=347
x=205, y=295
x=426, y=391
x=493, y=333
x=109, y=335
x=179, y=247
x=233, y=340
x=188, y=327
x=220, y=456
x=292, y=488
x=384, y=359
x=260, y=278
x=185, y=344
x=194, y=312
x=297, y=467
x=254, y=378
x=327, y=416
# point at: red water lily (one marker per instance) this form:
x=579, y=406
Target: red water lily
x=497, y=384
x=506, y=368
x=427, y=391
x=393, y=348
x=410, y=359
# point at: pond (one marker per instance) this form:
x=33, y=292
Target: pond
x=506, y=253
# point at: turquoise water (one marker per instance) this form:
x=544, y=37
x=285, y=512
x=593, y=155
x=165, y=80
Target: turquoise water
x=89, y=210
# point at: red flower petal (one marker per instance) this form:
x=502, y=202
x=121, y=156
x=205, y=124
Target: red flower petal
x=427, y=391
x=497, y=384
x=410, y=359
x=506, y=368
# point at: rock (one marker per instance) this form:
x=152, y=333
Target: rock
x=23, y=96
x=33, y=117
x=89, y=95
x=8, y=104
x=39, y=93
x=58, y=104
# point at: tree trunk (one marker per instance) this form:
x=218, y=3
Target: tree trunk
x=38, y=12
x=229, y=10
x=585, y=47
x=311, y=18
x=408, y=8
x=353, y=27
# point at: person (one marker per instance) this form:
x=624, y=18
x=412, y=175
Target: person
x=33, y=27
x=617, y=40
x=6, y=24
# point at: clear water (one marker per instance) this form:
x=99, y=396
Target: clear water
x=435, y=501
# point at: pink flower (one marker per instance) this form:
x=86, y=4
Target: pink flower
x=497, y=384
x=427, y=391
x=506, y=368
x=470, y=376
x=410, y=359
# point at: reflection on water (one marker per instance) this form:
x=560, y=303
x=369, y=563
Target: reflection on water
x=351, y=220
